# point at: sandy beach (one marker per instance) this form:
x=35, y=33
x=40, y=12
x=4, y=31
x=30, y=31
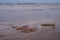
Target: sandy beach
x=31, y=14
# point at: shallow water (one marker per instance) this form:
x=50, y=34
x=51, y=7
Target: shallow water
x=9, y=16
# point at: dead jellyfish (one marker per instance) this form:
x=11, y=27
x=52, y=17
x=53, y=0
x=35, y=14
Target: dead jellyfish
x=25, y=29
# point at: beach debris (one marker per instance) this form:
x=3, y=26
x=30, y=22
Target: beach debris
x=13, y=26
x=47, y=24
x=25, y=29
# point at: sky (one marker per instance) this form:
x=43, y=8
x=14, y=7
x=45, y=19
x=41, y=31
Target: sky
x=29, y=1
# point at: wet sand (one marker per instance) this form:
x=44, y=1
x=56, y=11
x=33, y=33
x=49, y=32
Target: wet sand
x=27, y=14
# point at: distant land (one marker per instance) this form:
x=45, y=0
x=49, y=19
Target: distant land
x=29, y=3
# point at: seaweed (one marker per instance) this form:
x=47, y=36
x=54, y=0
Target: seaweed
x=48, y=24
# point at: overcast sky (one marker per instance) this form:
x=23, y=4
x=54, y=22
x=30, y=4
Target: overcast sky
x=29, y=1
